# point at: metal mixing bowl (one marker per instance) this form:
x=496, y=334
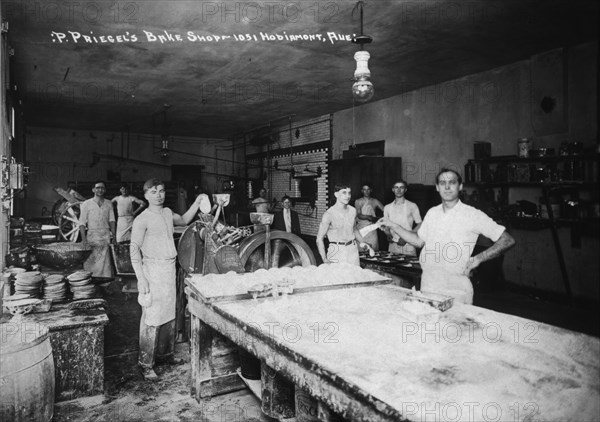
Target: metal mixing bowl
x=62, y=255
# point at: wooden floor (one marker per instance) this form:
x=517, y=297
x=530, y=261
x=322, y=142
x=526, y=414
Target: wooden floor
x=128, y=397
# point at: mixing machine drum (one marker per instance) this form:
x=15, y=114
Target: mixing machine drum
x=287, y=250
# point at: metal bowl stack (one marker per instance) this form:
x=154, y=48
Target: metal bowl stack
x=55, y=288
x=81, y=285
x=29, y=283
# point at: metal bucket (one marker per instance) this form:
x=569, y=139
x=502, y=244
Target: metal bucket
x=249, y=365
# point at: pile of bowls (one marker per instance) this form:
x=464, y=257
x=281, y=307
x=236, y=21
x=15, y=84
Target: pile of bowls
x=55, y=288
x=81, y=285
x=29, y=283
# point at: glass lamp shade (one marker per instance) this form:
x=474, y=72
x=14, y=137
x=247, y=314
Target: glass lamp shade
x=362, y=90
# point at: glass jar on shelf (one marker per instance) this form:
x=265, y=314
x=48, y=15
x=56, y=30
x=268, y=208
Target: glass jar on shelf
x=523, y=147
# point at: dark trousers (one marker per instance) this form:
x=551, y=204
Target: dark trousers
x=156, y=343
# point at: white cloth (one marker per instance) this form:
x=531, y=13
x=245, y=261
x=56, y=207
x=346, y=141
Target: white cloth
x=160, y=274
x=450, y=238
x=125, y=215
x=153, y=234
x=97, y=219
x=287, y=218
x=405, y=214
x=99, y=261
x=124, y=228
x=340, y=254
x=367, y=206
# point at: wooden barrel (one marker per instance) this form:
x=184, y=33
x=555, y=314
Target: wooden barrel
x=277, y=394
x=26, y=372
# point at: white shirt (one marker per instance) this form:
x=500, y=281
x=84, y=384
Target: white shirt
x=288, y=220
x=450, y=237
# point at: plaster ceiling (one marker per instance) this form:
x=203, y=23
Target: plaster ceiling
x=215, y=89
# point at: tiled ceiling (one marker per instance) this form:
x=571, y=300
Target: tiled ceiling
x=100, y=65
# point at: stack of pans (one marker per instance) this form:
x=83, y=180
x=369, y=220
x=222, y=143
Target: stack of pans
x=29, y=283
x=81, y=285
x=55, y=288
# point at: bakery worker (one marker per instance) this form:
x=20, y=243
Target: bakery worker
x=261, y=203
x=97, y=229
x=405, y=213
x=448, y=236
x=287, y=219
x=365, y=214
x=339, y=225
x=125, y=212
x=153, y=256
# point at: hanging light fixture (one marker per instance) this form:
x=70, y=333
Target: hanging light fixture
x=362, y=89
x=164, y=150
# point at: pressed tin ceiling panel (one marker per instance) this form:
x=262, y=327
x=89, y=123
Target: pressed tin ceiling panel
x=101, y=65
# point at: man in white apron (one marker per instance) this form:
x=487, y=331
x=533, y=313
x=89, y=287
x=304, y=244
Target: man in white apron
x=339, y=225
x=365, y=214
x=97, y=228
x=153, y=256
x=447, y=238
x=404, y=213
x=126, y=213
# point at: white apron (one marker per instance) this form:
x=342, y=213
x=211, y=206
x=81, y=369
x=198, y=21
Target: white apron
x=370, y=238
x=457, y=286
x=407, y=249
x=123, y=224
x=340, y=254
x=98, y=262
x=160, y=274
x=401, y=218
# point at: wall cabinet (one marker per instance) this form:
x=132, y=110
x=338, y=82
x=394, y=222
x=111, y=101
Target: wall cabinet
x=566, y=186
x=541, y=193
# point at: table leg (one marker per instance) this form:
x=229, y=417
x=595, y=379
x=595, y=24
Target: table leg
x=213, y=363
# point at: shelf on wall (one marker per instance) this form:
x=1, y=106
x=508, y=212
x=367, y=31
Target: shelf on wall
x=540, y=223
x=546, y=158
x=566, y=183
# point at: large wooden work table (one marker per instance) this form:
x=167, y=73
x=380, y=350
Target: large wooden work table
x=351, y=349
x=404, y=270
